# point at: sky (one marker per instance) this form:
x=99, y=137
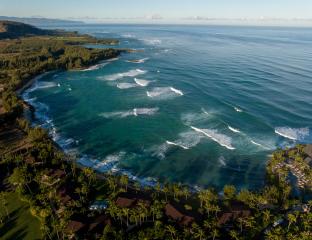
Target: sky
x=160, y=10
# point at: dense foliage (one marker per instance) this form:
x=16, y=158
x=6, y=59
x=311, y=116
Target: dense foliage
x=60, y=193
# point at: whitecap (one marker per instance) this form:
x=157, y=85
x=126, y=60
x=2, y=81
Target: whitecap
x=194, y=118
x=233, y=129
x=141, y=82
x=94, y=67
x=176, y=144
x=126, y=85
x=143, y=60
x=132, y=112
x=131, y=73
x=177, y=91
x=186, y=140
x=222, y=161
x=150, y=41
x=238, y=109
x=293, y=133
x=42, y=85
x=163, y=92
x=222, y=139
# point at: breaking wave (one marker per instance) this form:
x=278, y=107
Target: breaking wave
x=222, y=139
x=95, y=67
x=141, y=82
x=194, y=118
x=133, y=112
x=107, y=164
x=292, y=133
x=143, y=60
x=233, y=129
x=238, y=109
x=164, y=92
x=42, y=85
x=131, y=73
x=176, y=144
x=126, y=85
x=152, y=41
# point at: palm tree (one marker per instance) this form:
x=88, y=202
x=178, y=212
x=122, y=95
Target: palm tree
x=172, y=231
x=199, y=234
x=266, y=217
x=291, y=219
x=186, y=192
x=126, y=212
x=124, y=180
x=234, y=235
x=214, y=233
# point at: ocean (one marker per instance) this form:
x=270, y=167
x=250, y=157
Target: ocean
x=200, y=105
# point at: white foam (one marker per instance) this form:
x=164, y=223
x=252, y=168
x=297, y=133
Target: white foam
x=238, y=109
x=233, y=129
x=143, y=60
x=141, y=82
x=194, y=118
x=152, y=41
x=292, y=133
x=131, y=73
x=222, y=139
x=128, y=35
x=126, y=85
x=222, y=161
x=186, y=141
x=179, y=92
x=94, y=67
x=134, y=112
x=176, y=144
x=112, y=59
x=42, y=85
x=163, y=92
x=255, y=143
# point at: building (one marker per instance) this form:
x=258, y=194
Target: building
x=175, y=213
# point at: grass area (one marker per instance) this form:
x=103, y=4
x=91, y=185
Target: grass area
x=21, y=224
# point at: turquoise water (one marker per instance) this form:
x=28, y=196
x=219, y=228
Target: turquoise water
x=201, y=105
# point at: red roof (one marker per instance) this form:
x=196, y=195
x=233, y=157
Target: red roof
x=74, y=226
x=125, y=202
x=173, y=213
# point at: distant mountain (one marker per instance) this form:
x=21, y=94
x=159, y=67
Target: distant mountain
x=10, y=29
x=42, y=22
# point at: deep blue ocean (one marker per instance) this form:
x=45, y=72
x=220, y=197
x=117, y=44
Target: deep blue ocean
x=200, y=105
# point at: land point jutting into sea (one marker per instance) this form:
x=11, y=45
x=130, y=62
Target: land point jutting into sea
x=155, y=132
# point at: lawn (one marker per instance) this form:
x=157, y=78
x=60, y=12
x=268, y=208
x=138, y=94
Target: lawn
x=21, y=224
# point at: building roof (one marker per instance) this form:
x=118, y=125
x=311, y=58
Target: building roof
x=225, y=218
x=125, y=202
x=100, y=221
x=173, y=213
x=74, y=226
x=308, y=150
x=58, y=173
x=186, y=221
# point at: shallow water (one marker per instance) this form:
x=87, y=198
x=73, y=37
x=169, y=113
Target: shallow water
x=202, y=105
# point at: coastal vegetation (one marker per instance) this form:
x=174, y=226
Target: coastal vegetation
x=69, y=201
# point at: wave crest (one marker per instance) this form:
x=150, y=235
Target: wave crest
x=164, y=92
x=133, y=112
x=141, y=82
x=131, y=73
x=222, y=139
x=293, y=133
